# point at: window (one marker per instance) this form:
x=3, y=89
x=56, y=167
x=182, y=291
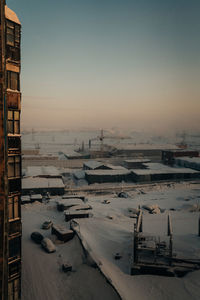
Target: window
x=13, y=53
x=14, y=143
x=14, y=289
x=14, y=166
x=14, y=248
x=14, y=269
x=13, y=121
x=13, y=207
x=14, y=185
x=13, y=80
x=12, y=34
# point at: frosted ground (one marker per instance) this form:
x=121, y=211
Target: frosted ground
x=110, y=230
x=52, y=141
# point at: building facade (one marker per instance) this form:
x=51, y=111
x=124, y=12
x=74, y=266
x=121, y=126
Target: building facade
x=10, y=155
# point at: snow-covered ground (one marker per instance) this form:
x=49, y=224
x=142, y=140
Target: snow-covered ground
x=42, y=277
x=110, y=230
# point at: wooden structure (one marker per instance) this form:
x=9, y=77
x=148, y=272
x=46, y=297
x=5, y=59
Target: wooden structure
x=151, y=256
x=10, y=155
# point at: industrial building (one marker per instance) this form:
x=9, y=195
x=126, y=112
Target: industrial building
x=169, y=156
x=141, y=150
x=10, y=155
x=42, y=185
x=42, y=171
x=189, y=162
x=102, y=176
x=160, y=172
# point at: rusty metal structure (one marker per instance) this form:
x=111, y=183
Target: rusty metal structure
x=10, y=155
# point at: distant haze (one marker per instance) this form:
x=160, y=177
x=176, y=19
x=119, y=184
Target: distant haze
x=125, y=63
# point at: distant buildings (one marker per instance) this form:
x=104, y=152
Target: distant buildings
x=10, y=155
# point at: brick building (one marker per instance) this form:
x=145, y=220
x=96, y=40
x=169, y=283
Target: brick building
x=10, y=155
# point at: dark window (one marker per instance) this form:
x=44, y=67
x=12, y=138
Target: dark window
x=14, y=143
x=14, y=289
x=14, y=248
x=15, y=227
x=14, y=166
x=14, y=269
x=13, y=80
x=13, y=207
x=14, y=185
x=13, y=53
x=14, y=121
x=12, y=34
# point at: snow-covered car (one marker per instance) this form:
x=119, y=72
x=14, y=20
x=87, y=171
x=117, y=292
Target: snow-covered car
x=48, y=245
x=47, y=225
x=36, y=237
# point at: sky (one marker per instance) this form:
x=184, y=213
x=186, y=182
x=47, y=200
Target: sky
x=110, y=63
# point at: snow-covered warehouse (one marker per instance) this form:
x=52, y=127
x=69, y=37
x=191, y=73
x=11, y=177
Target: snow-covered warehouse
x=38, y=185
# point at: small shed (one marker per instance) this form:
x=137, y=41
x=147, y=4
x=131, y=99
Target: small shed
x=62, y=233
x=36, y=197
x=69, y=215
x=64, y=204
x=136, y=163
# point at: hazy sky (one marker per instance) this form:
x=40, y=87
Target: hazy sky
x=108, y=63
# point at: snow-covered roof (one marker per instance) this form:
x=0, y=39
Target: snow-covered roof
x=195, y=160
x=164, y=171
x=93, y=164
x=42, y=171
x=38, y=182
x=157, y=166
x=146, y=147
x=79, y=174
x=137, y=160
x=113, y=167
x=11, y=15
x=69, y=202
x=72, y=154
x=36, y=197
x=107, y=172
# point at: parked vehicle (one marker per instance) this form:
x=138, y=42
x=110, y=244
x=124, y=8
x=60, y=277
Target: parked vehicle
x=48, y=245
x=47, y=224
x=36, y=237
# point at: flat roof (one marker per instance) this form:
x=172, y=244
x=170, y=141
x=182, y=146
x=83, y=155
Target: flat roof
x=11, y=15
x=156, y=166
x=146, y=147
x=164, y=171
x=113, y=167
x=190, y=159
x=42, y=171
x=137, y=160
x=107, y=172
x=93, y=164
x=38, y=182
x=71, y=153
x=181, y=150
x=70, y=202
